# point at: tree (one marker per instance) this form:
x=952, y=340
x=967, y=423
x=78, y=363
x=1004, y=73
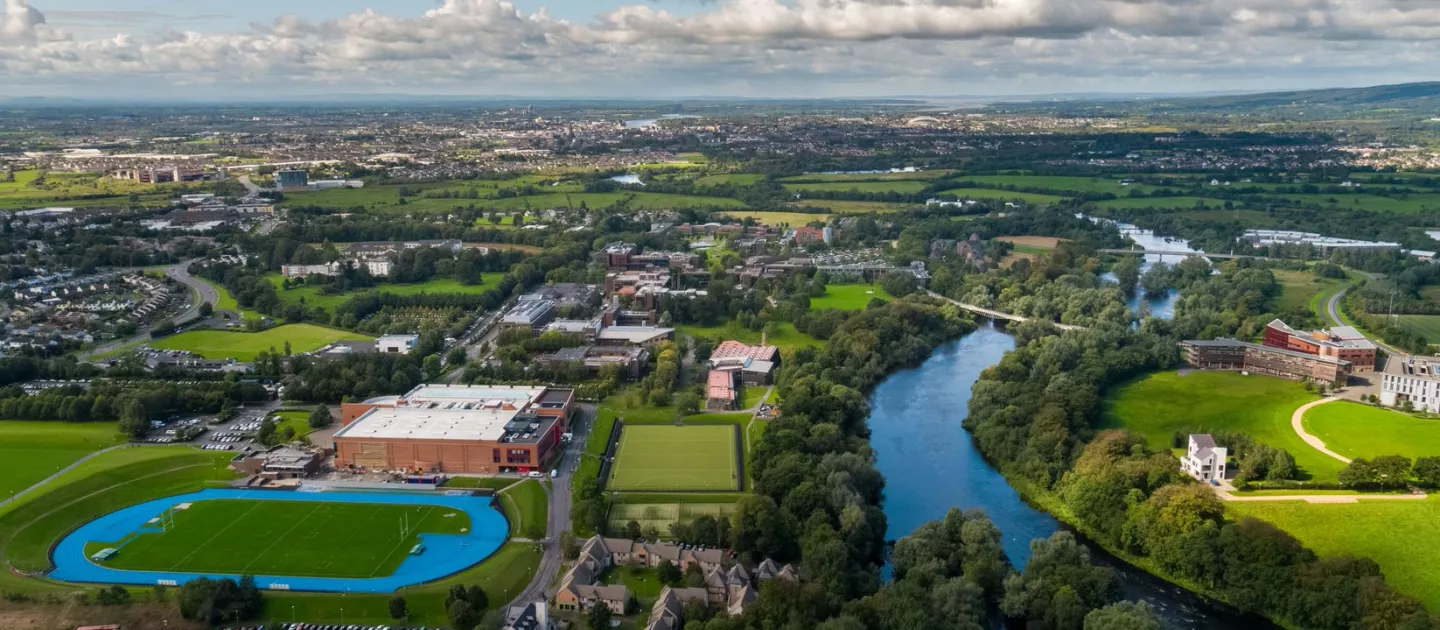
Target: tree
x=398, y=608
x=113, y=596
x=1127, y=272
x=432, y=366
x=462, y=615
x=1123, y=616
x=134, y=421
x=1427, y=472
x=599, y=617
x=320, y=417
x=206, y=309
x=266, y=433
x=669, y=574
x=632, y=530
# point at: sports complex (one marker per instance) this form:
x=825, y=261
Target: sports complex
x=338, y=542
x=677, y=458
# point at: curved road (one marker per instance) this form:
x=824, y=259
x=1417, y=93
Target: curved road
x=1297, y=422
x=207, y=292
x=1332, y=311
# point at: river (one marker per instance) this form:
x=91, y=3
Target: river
x=931, y=464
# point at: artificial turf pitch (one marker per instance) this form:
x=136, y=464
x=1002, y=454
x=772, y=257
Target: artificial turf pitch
x=676, y=458
x=334, y=540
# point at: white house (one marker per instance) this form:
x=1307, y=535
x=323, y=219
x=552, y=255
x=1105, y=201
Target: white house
x=1204, y=460
x=399, y=344
x=379, y=267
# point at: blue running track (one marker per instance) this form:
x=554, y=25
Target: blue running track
x=444, y=555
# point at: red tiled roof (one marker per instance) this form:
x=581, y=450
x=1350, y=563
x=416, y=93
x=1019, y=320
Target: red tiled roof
x=731, y=349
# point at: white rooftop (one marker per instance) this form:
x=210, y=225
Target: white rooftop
x=485, y=424
x=634, y=334
x=471, y=395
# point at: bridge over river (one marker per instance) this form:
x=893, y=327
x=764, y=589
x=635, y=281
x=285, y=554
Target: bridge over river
x=994, y=314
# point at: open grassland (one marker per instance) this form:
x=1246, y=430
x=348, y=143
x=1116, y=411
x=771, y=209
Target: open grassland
x=1361, y=431
x=32, y=451
x=502, y=577
x=669, y=458
x=311, y=296
x=243, y=346
x=546, y=194
x=867, y=177
x=1397, y=535
x=1409, y=204
x=527, y=507
x=1302, y=288
x=1036, y=199
x=848, y=297
x=794, y=219
x=854, y=207
x=1426, y=325
x=340, y=540
x=785, y=336
x=598, y=201
x=1056, y=183
x=1158, y=405
x=1160, y=203
x=77, y=190
x=734, y=179
x=297, y=420
x=661, y=515
x=904, y=187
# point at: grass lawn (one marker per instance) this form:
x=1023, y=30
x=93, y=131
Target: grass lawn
x=297, y=420
x=527, y=506
x=848, y=297
x=785, y=336
x=753, y=395
x=901, y=186
x=664, y=513
x=32, y=451
x=342, y=540
x=1355, y=431
x=1302, y=288
x=668, y=458
x=736, y=179
x=1395, y=534
x=488, y=483
x=643, y=583
x=1426, y=325
x=718, y=419
x=244, y=346
x=312, y=297
x=1003, y=195
x=77, y=190
x=1158, y=405
x=794, y=219
x=502, y=577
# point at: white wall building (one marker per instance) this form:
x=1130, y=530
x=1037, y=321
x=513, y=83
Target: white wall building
x=1411, y=379
x=400, y=344
x=1204, y=460
x=379, y=267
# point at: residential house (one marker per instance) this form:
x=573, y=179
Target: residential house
x=1204, y=460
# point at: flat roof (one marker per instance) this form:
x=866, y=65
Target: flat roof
x=480, y=394
x=430, y=424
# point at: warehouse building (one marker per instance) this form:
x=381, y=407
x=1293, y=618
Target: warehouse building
x=455, y=429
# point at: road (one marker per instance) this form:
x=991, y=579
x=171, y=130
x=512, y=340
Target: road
x=1332, y=311
x=207, y=292
x=480, y=335
x=560, y=507
x=250, y=186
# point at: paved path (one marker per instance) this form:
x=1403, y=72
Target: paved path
x=42, y=482
x=1297, y=422
x=559, y=513
x=994, y=314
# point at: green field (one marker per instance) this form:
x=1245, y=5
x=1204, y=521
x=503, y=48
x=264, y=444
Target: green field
x=736, y=179
x=343, y=540
x=1158, y=405
x=562, y=194
x=1395, y=534
x=1002, y=195
x=242, y=346
x=32, y=451
x=840, y=206
x=1361, y=431
x=526, y=506
x=662, y=515
x=867, y=177
x=1057, y=183
x=297, y=420
x=669, y=458
x=849, y=297
x=785, y=336
x=1410, y=204
x=793, y=219
x=1426, y=325
x=1167, y=203
x=905, y=187
x=311, y=296
x=1302, y=288
x=77, y=190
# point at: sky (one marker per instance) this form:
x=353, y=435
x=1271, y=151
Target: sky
x=671, y=49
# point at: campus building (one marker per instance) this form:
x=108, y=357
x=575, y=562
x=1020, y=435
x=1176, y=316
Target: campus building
x=1415, y=380
x=1204, y=460
x=455, y=429
x=1229, y=354
x=1342, y=342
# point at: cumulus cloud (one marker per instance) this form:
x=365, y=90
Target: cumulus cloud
x=748, y=46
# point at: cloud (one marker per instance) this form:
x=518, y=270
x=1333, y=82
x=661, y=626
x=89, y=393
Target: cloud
x=756, y=47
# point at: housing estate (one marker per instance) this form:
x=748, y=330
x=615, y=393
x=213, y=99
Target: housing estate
x=1230, y=354
x=1342, y=342
x=1204, y=460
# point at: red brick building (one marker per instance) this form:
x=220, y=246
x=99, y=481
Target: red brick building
x=1342, y=342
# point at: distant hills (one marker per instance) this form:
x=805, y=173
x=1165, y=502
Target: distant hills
x=1414, y=99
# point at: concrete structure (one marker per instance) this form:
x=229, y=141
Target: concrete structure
x=456, y=429
x=301, y=271
x=397, y=344
x=646, y=336
x=281, y=462
x=1321, y=243
x=753, y=365
x=292, y=180
x=630, y=363
x=1342, y=342
x=1204, y=460
x=1415, y=380
x=1229, y=354
x=722, y=390
x=379, y=267
x=528, y=314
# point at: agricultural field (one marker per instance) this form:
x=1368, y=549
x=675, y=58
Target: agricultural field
x=348, y=540
x=1361, y=431
x=78, y=190
x=1303, y=290
x=867, y=177
x=549, y=193
x=734, y=179
x=32, y=451
x=628, y=199
x=670, y=458
x=785, y=336
x=1158, y=405
x=903, y=187
x=1392, y=533
x=793, y=219
x=1034, y=199
x=849, y=297
x=245, y=346
x=311, y=296
x=1161, y=203
x=1056, y=183
x=1410, y=204
x=1426, y=325
x=854, y=207
x=662, y=515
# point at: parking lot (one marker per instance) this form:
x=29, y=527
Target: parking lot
x=311, y=626
x=238, y=434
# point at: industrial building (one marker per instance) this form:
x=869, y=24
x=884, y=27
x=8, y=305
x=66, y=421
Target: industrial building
x=1322, y=244
x=455, y=429
x=1229, y=354
x=1341, y=342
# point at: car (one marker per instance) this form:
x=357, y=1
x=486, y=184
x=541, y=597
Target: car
x=555, y=473
x=536, y=474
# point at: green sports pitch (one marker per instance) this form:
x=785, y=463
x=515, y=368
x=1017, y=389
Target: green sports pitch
x=333, y=540
x=670, y=458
